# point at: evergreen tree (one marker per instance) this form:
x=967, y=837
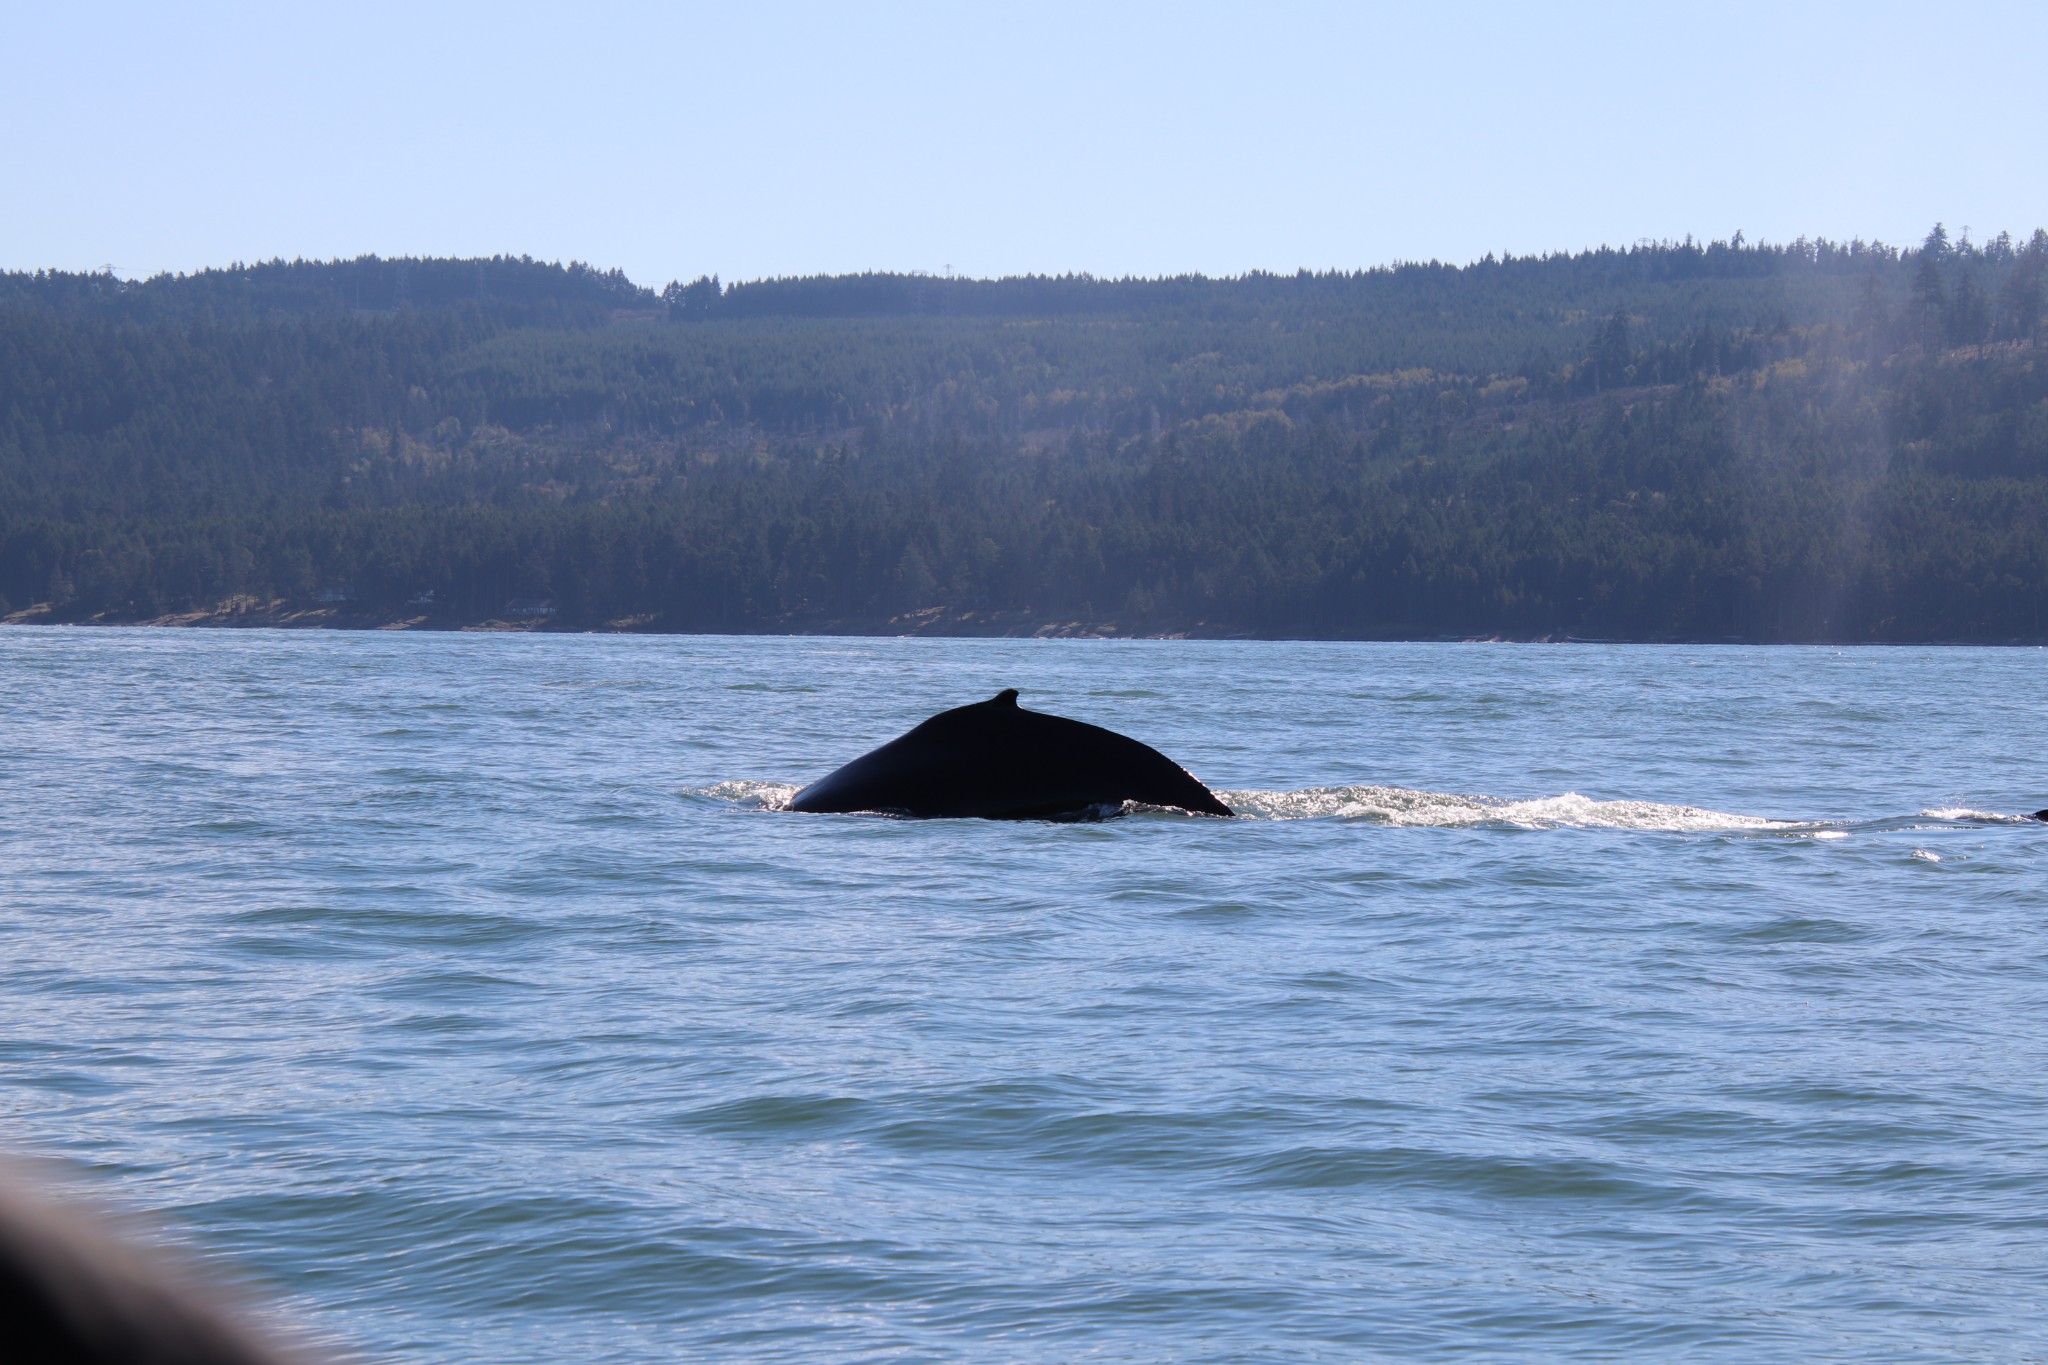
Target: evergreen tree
x=1930, y=308
x=1969, y=314
x=2020, y=300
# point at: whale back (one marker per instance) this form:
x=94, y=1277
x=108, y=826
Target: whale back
x=997, y=761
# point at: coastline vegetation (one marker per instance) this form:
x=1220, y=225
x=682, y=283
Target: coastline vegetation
x=1808, y=441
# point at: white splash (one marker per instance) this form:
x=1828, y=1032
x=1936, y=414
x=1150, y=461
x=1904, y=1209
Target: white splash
x=1979, y=817
x=751, y=795
x=1925, y=856
x=1399, y=806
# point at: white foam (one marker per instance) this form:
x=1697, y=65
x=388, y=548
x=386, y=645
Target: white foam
x=754, y=795
x=1925, y=856
x=1400, y=806
x=1981, y=817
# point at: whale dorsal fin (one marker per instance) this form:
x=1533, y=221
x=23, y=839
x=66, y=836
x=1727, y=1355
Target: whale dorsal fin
x=1006, y=697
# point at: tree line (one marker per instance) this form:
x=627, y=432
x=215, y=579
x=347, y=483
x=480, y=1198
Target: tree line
x=1700, y=441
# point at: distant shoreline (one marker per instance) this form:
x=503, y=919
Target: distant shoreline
x=933, y=623
x=1697, y=442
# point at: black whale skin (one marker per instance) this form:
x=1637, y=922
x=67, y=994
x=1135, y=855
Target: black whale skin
x=997, y=761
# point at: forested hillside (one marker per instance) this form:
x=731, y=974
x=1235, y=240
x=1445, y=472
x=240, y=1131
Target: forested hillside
x=1680, y=441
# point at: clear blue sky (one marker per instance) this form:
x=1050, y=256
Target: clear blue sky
x=751, y=139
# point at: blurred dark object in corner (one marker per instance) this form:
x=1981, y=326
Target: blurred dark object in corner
x=76, y=1291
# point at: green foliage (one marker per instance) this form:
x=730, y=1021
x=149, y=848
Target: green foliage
x=1812, y=441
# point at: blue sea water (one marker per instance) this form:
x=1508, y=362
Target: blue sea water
x=470, y=995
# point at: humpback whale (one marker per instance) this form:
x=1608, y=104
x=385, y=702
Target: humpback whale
x=997, y=761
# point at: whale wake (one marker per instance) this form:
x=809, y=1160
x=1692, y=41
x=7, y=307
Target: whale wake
x=1570, y=810
x=1406, y=808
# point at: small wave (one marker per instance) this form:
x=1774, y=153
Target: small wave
x=1399, y=806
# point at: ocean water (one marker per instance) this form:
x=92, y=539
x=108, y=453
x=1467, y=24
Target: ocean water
x=470, y=995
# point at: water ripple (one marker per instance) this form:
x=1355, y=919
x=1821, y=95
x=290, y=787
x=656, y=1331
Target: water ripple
x=481, y=996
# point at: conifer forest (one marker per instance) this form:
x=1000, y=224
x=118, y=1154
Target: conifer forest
x=1812, y=441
